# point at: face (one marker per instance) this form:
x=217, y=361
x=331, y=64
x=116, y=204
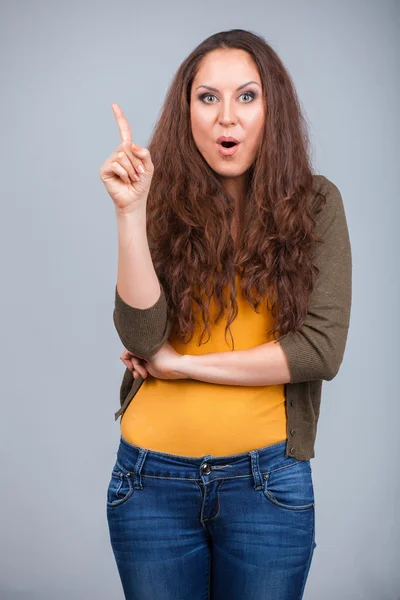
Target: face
x=227, y=110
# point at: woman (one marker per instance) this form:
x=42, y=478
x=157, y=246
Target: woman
x=211, y=493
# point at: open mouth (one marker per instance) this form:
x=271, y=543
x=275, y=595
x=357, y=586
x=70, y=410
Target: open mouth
x=228, y=148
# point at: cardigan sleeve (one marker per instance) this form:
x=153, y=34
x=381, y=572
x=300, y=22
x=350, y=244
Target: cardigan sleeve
x=142, y=331
x=316, y=349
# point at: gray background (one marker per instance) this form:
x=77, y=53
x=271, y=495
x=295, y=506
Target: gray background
x=63, y=64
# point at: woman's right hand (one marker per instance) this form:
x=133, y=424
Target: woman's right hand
x=121, y=174
x=134, y=364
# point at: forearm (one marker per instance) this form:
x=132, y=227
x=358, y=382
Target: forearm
x=137, y=281
x=259, y=366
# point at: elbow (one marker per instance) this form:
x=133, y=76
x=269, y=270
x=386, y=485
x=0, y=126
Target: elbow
x=143, y=343
x=330, y=373
x=309, y=361
x=142, y=331
x=334, y=366
x=335, y=356
x=144, y=349
x=317, y=368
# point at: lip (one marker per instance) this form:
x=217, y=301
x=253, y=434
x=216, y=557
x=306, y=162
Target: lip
x=227, y=138
x=228, y=151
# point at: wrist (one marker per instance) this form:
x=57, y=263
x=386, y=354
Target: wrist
x=135, y=214
x=182, y=366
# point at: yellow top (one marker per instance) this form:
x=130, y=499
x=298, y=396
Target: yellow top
x=195, y=418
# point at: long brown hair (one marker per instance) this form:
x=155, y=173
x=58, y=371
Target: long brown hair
x=189, y=213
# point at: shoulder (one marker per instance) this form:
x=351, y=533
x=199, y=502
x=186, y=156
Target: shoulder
x=329, y=211
x=323, y=185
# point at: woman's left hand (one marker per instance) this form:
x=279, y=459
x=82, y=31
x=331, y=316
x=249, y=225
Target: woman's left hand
x=164, y=364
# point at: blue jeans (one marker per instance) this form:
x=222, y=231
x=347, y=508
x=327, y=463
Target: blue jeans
x=237, y=527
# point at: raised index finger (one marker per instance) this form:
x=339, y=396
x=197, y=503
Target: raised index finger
x=123, y=125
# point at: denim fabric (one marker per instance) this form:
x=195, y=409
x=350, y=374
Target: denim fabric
x=237, y=527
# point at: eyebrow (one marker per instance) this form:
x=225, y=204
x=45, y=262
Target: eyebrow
x=213, y=89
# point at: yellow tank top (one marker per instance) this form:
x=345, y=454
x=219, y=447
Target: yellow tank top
x=195, y=418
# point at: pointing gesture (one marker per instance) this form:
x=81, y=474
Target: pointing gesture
x=124, y=129
x=127, y=172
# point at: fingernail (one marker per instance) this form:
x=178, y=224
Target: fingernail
x=140, y=168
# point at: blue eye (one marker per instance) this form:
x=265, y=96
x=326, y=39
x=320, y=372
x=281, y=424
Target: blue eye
x=253, y=95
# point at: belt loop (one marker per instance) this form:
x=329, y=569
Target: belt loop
x=206, y=458
x=255, y=469
x=138, y=467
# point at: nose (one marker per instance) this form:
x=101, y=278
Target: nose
x=227, y=114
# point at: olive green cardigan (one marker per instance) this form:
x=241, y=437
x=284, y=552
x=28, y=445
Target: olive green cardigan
x=314, y=352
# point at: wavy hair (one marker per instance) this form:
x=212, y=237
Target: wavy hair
x=189, y=213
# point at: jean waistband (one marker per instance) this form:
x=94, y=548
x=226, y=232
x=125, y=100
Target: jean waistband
x=138, y=461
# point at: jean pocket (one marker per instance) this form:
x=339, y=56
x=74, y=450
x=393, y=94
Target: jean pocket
x=290, y=487
x=120, y=487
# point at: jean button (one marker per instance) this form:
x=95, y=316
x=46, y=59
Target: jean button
x=205, y=469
